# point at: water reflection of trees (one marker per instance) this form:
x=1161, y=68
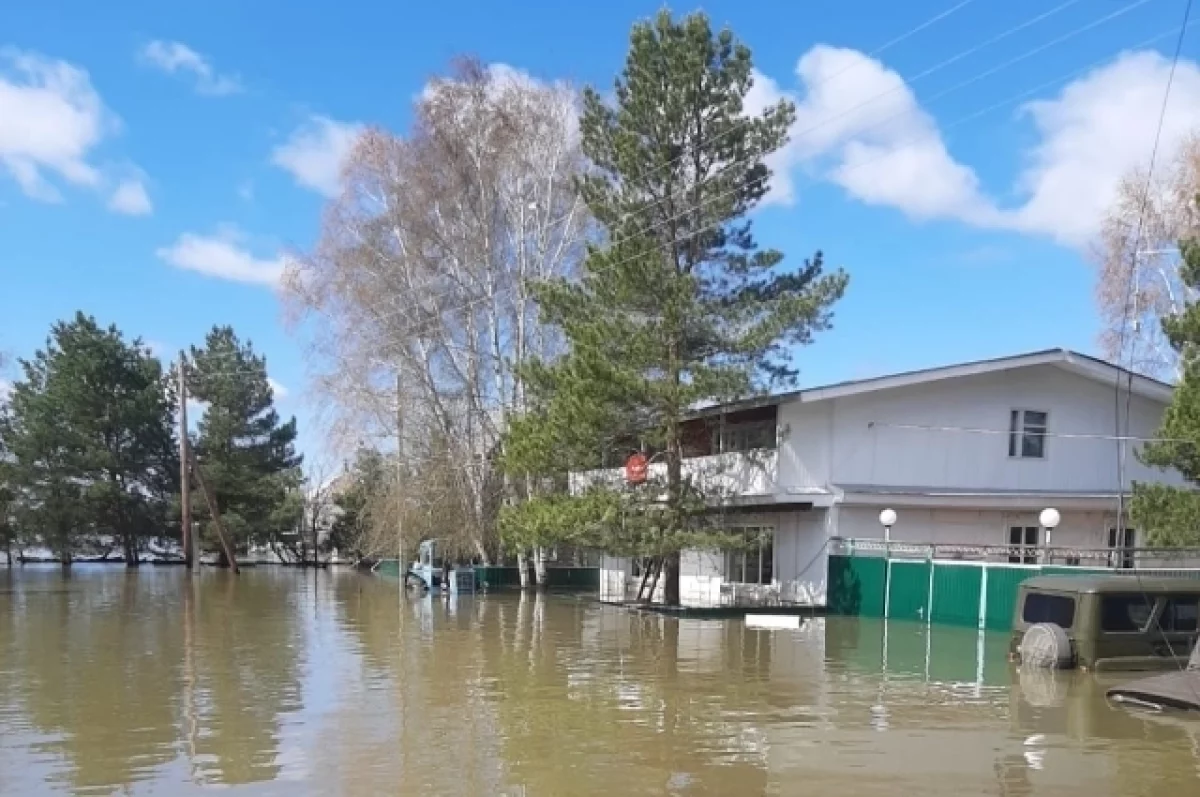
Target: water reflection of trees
x=87, y=667
x=604, y=696
x=123, y=673
x=241, y=672
x=413, y=722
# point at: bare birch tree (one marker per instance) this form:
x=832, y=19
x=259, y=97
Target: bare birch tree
x=425, y=265
x=1138, y=282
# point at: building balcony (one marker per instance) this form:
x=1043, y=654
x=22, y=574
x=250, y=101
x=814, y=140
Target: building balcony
x=739, y=474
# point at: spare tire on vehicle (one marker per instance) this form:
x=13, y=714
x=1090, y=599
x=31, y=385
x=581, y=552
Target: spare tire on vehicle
x=1046, y=645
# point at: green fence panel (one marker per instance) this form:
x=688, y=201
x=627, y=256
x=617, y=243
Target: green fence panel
x=496, y=577
x=855, y=586
x=582, y=578
x=389, y=568
x=1001, y=594
x=956, y=592
x=501, y=577
x=908, y=590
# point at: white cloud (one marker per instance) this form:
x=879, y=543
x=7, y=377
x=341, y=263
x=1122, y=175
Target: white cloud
x=245, y=191
x=222, y=256
x=315, y=152
x=278, y=389
x=6, y=389
x=1095, y=130
x=858, y=124
x=131, y=199
x=177, y=58
x=51, y=118
x=861, y=126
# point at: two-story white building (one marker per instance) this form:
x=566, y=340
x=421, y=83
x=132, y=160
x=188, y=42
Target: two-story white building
x=966, y=454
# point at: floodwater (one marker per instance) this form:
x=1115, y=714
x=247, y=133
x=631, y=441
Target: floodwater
x=286, y=682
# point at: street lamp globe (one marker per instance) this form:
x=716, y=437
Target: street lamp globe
x=887, y=518
x=1049, y=518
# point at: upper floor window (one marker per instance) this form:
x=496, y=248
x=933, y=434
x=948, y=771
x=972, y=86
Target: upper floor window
x=746, y=436
x=1027, y=434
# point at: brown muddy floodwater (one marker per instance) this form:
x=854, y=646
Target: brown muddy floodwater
x=284, y=682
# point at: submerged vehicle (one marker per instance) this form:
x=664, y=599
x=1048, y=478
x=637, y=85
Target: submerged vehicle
x=1177, y=690
x=1106, y=622
x=433, y=570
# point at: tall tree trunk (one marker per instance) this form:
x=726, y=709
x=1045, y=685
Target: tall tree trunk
x=670, y=566
x=539, y=567
x=523, y=568
x=130, y=550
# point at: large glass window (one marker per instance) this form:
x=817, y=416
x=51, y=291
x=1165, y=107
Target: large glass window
x=752, y=559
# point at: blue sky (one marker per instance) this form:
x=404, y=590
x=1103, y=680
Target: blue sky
x=157, y=158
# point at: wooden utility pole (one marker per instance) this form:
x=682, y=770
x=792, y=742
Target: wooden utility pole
x=185, y=489
x=211, y=501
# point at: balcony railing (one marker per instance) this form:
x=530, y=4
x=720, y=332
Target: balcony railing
x=733, y=473
x=1116, y=559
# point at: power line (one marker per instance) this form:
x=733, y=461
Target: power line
x=877, y=51
x=1063, y=435
x=845, y=112
x=1125, y=317
x=484, y=300
x=1187, y=10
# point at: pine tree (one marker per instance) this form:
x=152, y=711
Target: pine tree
x=680, y=305
x=358, y=488
x=1171, y=515
x=246, y=453
x=89, y=434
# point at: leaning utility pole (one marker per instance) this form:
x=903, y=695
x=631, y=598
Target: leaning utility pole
x=185, y=491
x=211, y=501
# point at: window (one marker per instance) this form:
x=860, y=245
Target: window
x=1124, y=613
x=752, y=560
x=1181, y=615
x=1027, y=434
x=1042, y=608
x=1122, y=542
x=749, y=436
x=1023, y=544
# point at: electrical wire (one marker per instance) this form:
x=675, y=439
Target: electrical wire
x=1125, y=318
x=841, y=114
x=1011, y=100
x=1061, y=435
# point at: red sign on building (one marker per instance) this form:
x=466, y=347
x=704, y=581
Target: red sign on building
x=637, y=468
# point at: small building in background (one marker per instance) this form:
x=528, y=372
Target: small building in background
x=966, y=455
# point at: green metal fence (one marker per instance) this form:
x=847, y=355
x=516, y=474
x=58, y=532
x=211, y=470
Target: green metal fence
x=499, y=577
x=979, y=594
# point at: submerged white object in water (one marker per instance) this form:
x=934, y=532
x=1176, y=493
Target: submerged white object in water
x=772, y=621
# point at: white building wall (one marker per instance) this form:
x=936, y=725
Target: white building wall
x=802, y=556
x=870, y=450
x=805, y=445
x=700, y=577
x=972, y=527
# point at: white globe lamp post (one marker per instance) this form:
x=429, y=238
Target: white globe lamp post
x=887, y=519
x=1049, y=518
